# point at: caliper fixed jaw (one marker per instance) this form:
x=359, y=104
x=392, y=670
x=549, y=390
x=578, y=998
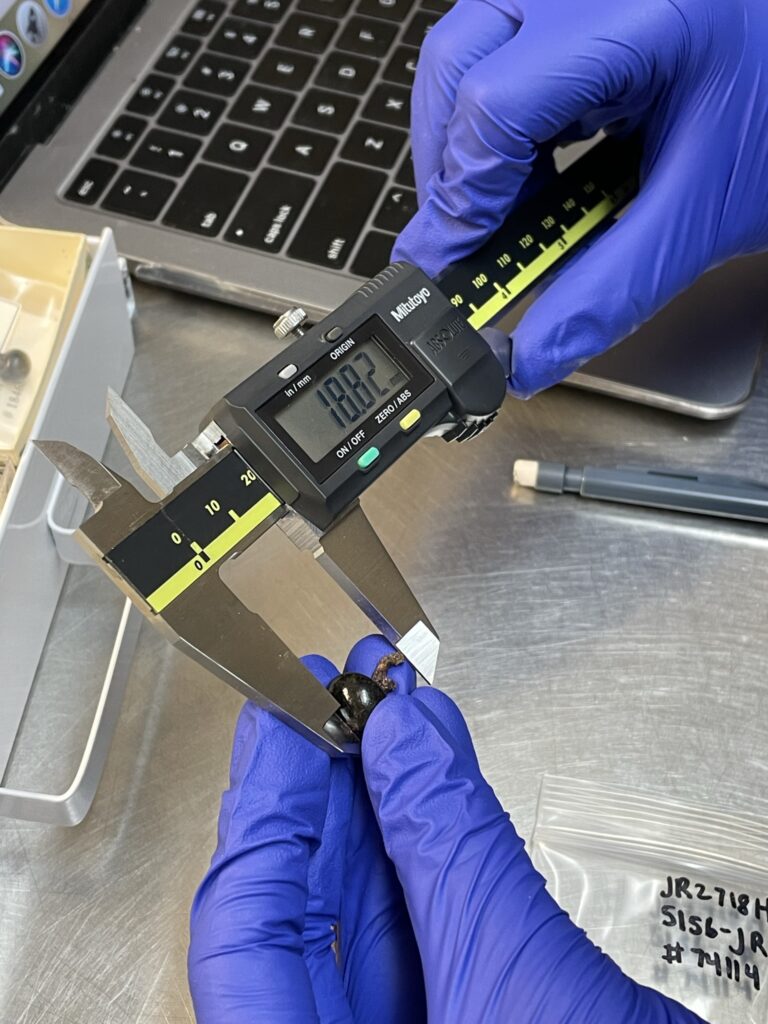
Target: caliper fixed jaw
x=166, y=555
x=146, y=549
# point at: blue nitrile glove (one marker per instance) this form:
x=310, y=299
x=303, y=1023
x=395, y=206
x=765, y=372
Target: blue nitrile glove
x=497, y=79
x=495, y=947
x=299, y=850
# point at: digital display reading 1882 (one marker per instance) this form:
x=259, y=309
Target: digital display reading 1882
x=354, y=388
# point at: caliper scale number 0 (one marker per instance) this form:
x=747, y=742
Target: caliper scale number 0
x=212, y=507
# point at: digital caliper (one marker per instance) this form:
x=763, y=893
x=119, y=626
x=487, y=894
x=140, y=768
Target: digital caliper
x=297, y=443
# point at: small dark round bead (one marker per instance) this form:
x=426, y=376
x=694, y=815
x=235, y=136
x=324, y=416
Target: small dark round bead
x=357, y=695
x=14, y=366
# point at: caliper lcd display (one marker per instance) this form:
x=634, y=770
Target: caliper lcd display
x=331, y=410
x=353, y=388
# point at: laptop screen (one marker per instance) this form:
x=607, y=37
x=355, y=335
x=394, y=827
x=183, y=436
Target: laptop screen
x=29, y=31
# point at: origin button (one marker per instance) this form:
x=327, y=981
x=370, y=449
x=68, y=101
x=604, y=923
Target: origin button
x=368, y=458
x=333, y=334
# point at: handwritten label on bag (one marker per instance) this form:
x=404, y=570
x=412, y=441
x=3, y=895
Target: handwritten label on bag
x=714, y=928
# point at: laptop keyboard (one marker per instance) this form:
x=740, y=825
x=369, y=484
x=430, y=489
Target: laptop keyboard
x=276, y=125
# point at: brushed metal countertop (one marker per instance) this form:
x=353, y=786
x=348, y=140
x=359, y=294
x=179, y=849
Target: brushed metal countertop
x=606, y=643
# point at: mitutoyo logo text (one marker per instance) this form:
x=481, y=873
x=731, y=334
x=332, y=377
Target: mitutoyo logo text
x=401, y=311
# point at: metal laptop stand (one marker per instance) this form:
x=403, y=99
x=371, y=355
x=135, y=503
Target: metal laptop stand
x=37, y=525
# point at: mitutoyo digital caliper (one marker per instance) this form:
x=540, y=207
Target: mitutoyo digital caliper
x=297, y=443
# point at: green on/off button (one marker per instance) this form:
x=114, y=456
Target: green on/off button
x=368, y=458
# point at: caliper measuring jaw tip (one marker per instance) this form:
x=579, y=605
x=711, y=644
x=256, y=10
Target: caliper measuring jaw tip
x=165, y=555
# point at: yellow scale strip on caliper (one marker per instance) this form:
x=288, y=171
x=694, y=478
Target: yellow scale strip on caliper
x=518, y=284
x=216, y=550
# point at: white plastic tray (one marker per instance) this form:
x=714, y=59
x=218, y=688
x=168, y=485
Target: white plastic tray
x=37, y=523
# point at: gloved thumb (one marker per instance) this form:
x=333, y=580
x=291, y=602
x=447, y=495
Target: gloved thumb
x=494, y=945
x=657, y=249
x=453, y=847
x=424, y=779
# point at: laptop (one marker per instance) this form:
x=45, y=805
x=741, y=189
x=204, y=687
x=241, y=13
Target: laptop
x=251, y=151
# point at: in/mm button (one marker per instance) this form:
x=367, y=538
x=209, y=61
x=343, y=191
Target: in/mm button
x=368, y=458
x=410, y=419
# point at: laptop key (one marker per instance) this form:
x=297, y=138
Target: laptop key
x=178, y=54
x=397, y=209
x=262, y=108
x=303, y=32
x=218, y=74
x=135, y=194
x=151, y=95
x=91, y=182
x=238, y=146
x=327, y=111
x=330, y=8
x=402, y=66
x=405, y=175
x=269, y=211
x=441, y=6
x=366, y=36
x=393, y=10
x=390, y=104
x=302, y=150
x=421, y=23
x=204, y=16
x=240, y=38
x=192, y=112
x=333, y=224
x=166, y=153
x=374, y=144
x=206, y=199
x=284, y=69
x=347, y=73
x=270, y=11
x=122, y=137
x=373, y=255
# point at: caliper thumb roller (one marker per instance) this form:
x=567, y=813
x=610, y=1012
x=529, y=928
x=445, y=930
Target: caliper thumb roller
x=295, y=445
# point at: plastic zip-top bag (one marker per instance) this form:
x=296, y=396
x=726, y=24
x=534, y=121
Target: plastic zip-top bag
x=676, y=894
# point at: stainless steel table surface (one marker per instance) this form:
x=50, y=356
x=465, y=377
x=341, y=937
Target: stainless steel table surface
x=589, y=640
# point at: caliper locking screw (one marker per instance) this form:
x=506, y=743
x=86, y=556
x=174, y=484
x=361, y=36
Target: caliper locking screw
x=290, y=323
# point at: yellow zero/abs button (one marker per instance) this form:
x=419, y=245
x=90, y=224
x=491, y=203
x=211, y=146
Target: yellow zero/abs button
x=410, y=419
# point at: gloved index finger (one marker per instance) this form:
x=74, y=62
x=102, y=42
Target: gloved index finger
x=525, y=93
x=352, y=883
x=248, y=916
x=462, y=37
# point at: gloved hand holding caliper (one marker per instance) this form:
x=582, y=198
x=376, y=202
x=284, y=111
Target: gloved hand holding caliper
x=392, y=891
x=500, y=81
